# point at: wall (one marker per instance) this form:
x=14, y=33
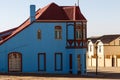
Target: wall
x=115, y=42
x=100, y=46
x=26, y=42
x=29, y=46
x=108, y=62
x=112, y=50
x=90, y=52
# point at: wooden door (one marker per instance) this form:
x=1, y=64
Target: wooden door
x=79, y=64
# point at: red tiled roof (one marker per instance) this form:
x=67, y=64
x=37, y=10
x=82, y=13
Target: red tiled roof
x=73, y=13
x=51, y=12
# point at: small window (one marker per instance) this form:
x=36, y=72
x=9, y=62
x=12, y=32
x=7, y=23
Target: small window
x=58, y=32
x=39, y=34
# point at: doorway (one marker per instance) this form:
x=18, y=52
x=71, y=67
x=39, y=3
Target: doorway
x=79, y=64
x=70, y=63
x=14, y=62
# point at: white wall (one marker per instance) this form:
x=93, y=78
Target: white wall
x=118, y=62
x=100, y=52
x=90, y=53
x=108, y=62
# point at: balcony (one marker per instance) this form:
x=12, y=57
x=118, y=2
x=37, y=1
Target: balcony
x=76, y=44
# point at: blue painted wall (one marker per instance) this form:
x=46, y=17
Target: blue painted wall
x=29, y=46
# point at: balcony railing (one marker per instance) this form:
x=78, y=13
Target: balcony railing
x=76, y=43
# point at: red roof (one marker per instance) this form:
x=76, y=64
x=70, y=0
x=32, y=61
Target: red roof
x=51, y=12
x=55, y=12
x=73, y=13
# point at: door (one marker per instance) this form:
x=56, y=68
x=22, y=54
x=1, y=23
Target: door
x=14, y=62
x=113, y=62
x=41, y=62
x=79, y=64
x=70, y=63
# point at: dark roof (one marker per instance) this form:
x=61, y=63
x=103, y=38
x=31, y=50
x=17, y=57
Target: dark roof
x=55, y=12
x=73, y=13
x=105, y=38
x=49, y=13
x=6, y=33
x=108, y=38
x=94, y=39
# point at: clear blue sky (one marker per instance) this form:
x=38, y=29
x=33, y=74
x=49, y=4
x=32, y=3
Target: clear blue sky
x=103, y=15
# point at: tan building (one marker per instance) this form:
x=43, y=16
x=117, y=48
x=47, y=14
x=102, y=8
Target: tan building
x=107, y=48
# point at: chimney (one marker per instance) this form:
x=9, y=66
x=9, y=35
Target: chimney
x=32, y=13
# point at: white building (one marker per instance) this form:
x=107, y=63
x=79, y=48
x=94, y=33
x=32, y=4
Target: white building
x=108, y=51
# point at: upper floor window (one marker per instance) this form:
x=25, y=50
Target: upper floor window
x=90, y=48
x=84, y=31
x=39, y=34
x=78, y=33
x=58, y=32
x=99, y=48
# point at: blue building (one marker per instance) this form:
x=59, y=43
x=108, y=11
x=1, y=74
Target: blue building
x=52, y=40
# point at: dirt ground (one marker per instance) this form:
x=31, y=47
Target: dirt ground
x=102, y=74
x=45, y=78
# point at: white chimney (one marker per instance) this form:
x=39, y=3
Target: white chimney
x=32, y=13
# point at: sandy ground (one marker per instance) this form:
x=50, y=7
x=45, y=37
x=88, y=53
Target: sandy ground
x=44, y=78
x=103, y=74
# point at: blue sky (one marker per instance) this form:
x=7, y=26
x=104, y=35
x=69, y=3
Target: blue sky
x=103, y=15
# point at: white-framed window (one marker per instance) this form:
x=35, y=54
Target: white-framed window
x=58, y=32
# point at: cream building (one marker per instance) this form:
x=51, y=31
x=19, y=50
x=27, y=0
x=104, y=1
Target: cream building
x=107, y=48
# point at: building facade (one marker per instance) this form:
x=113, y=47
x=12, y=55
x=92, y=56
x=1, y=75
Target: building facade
x=107, y=48
x=52, y=40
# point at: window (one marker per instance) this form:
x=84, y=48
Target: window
x=84, y=31
x=39, y=34
x=78, y=33
x=90, y=48
x=15, y=62
x=99, y=48
x=58, y=62
x=58, y=32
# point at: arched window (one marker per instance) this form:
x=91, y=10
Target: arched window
x=39, y=34
x=15, y=62
x=58, y=32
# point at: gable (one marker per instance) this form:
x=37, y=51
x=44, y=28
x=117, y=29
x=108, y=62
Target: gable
x=115, y=41
x=53, y=12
